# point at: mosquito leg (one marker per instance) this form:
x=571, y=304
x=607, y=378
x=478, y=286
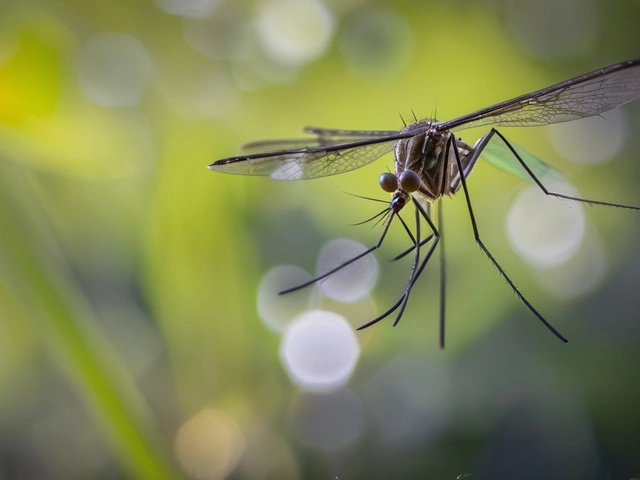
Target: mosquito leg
x=348, y=262
x=555, y=194
x=443, y=276
x=410, y=249
x=476, y=234
x=414, y=266
x=414, y=277
x=408, y=230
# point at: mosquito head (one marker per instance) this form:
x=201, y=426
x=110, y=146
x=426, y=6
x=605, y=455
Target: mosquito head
x=401, y=187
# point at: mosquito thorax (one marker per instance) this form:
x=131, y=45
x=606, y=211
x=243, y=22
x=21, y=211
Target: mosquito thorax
x=419, y=152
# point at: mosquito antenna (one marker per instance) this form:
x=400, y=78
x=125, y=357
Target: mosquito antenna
x=348, y=262
x=367, y=198
x=386, y=210
x=382, y=219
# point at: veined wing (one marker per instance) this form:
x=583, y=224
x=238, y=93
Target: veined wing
x=323, y=137
x=330, y=153
x=584, y=96
x=498, y=154
x=337, y=133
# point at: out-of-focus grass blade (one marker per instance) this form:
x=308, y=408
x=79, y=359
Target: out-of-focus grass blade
x=499, y=155
x=36, y=273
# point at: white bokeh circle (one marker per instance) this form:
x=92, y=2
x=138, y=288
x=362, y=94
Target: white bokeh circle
x=114, y=70
x=294, y=32
x=319, y=350
x=544, y=230
x=352, y=282
x=592, y=140
x=275, y=310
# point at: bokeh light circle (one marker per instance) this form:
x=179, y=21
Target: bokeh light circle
x=581, y=274
x=188, y=8
x=113, y=70
x=202, y=91
x=319, y=350
x=275, y=310
x=329, y=421
x=545, y=230
x=352, y=282
x=294, y=32
x=552, y=29
x=222, y=37
x=376, y=42
x=208, y=446
x=592, y=140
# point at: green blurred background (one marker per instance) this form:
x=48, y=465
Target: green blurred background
x=130, y=343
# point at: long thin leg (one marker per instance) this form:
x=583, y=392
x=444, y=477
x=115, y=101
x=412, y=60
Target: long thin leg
x=443, y=275
x=414, y=265
x=348, y=262
x=408, y=230
x=493, y=131
x=411, y=248
x=415, y=276
x=476, y=234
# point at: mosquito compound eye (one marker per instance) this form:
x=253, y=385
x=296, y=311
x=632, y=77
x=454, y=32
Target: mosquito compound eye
x=409, y=181
x=388, y=182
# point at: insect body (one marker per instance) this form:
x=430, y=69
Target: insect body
x=430, y=162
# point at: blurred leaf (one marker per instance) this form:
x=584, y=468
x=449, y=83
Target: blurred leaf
x=498, y=154
x=32, y=265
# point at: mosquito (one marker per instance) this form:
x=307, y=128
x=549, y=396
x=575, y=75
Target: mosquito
x=431, y=162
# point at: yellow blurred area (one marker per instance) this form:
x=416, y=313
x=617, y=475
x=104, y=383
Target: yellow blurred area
x=31, y=73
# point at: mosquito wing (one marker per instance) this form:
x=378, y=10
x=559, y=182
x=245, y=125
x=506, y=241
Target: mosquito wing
x=584, y=96
x=331, y=152
x=323, y=137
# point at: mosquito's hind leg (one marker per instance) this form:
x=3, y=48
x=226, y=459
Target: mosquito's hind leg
x=546, y=191
x=475, y=154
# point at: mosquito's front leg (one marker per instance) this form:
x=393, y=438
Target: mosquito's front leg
x=415, y=274
x=348, y=262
